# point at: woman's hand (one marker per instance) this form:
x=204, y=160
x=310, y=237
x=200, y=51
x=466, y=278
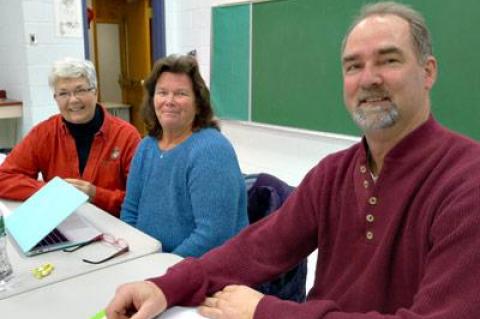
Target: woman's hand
x=233, y=302
x=84, y=186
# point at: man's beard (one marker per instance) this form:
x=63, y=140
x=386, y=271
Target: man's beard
x=375, y=117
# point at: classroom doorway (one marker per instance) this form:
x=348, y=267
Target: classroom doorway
x=120, y=47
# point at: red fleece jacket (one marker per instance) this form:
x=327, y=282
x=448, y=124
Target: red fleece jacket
x=49, y=149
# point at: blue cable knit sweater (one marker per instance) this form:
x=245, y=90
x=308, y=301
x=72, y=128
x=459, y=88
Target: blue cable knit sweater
x=192, y=198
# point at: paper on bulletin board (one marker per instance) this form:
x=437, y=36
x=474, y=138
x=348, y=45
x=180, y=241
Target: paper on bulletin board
x=68, y=18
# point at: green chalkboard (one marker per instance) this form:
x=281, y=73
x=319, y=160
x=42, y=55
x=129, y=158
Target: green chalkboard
x=296, y=76
x=456, y=44
x=230, y=85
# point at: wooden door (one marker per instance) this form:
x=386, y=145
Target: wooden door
x=133, y=17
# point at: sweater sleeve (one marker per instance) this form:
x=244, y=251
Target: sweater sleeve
x=19, y=171
x=129, y=212
x=218, y=198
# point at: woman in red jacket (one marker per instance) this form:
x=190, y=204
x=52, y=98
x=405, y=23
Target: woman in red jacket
x=83, y=144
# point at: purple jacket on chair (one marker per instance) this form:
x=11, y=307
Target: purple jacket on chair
x=266, y=193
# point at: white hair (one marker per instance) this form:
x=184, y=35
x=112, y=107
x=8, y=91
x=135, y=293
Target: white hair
x=72, y=68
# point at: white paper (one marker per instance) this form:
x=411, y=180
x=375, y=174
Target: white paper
x=177, y=313
x=68, y=18
x=180, y=313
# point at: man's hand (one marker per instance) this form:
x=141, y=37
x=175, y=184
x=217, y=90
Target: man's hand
x=233, y=302
x=84, y=186
x=137, y=300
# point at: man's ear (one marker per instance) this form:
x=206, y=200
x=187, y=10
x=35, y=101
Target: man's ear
x=430, y=68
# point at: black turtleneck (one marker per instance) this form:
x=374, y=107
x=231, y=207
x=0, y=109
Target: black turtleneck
x=83, y=135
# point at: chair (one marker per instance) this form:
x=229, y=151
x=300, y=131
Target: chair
x=266, y=193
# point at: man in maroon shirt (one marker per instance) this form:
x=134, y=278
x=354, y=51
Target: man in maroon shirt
x=395, y=218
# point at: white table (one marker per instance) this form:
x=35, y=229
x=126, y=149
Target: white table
x=83, y=296
x=68, y=265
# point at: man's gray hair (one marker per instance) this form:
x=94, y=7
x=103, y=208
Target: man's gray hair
x=72, y=68
x=421, y=40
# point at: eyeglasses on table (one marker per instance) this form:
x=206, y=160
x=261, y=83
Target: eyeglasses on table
x=120, y=244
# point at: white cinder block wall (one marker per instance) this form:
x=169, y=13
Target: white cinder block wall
x=24, y=66
x=285, y=153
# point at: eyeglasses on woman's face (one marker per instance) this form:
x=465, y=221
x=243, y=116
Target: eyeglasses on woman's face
x=78, y=93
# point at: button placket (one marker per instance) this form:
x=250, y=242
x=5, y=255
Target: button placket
x=370, y=218
x=372, y=202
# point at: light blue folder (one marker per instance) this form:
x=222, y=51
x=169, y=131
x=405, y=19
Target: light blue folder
x=30, y=222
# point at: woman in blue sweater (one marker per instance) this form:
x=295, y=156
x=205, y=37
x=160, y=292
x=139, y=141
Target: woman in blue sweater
x=185, y=187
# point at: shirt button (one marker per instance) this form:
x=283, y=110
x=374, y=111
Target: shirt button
x=370, y=218
x=369, y=235
x=365, y=184
x=372, y=200
x=363, y=169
